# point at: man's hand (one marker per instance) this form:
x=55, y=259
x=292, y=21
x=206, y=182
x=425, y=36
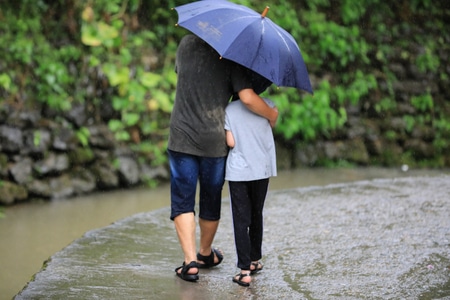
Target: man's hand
x=256, y=104
x=273, y=121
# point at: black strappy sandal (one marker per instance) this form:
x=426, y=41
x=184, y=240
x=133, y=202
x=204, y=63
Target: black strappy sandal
x=239, y=279
x=208, y=261
x=184, y=271
x=258, y=267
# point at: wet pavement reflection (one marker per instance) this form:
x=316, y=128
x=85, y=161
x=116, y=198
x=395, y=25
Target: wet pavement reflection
x=375, y=239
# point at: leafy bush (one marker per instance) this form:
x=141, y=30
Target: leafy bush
x=121, y=54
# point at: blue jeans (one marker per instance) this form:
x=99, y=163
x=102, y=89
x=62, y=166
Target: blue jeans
x=185, y=171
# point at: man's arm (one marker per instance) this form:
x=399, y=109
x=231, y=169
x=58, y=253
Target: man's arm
x=257, y=105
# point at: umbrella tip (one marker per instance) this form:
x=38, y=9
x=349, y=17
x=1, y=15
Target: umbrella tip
x=264, y=13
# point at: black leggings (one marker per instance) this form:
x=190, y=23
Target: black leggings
x=247, y=203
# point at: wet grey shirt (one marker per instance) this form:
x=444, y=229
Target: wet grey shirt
x=253, y=156
x=205, y=86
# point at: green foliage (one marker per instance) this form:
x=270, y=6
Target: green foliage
x=410, y=122
x=309, y=118
x=144, y=93
x=319, y=114
x=423, y=103
x=386, y=104
x=441, y=126
x=56, y=52
x=326, y=47
x=391, y=135
x=334, y=46
x=429, y=114
x=428, y=61
x=155, y=150
x=37, y=138
x=33, y=65
x=83, y=136
x=5, y=82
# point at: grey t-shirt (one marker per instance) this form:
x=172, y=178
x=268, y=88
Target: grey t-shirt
x=253, y=156
x=205, y=86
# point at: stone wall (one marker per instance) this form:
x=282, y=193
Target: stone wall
x=43, y=159
x=383, y=137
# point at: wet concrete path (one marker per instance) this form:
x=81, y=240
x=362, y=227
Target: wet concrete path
x=380, y=239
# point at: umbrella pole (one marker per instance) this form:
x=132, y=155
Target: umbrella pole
x=264, y=13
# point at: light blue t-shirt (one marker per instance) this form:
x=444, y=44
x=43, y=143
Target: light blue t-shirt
x=253, y=156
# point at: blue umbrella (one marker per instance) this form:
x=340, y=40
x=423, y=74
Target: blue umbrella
x=242, y=35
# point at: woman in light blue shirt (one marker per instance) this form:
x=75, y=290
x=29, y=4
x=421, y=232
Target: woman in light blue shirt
x=250, y=162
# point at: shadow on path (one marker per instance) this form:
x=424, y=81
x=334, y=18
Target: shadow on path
x=380, y=239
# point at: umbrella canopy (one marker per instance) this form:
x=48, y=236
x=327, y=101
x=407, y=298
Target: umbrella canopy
x=242, y=35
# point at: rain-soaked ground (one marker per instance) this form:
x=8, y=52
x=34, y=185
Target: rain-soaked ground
x=379, y=239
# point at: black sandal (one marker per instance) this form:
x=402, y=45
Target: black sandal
x=184, y=271
x=256, y=269
x=239, y=279
x=208, y=261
